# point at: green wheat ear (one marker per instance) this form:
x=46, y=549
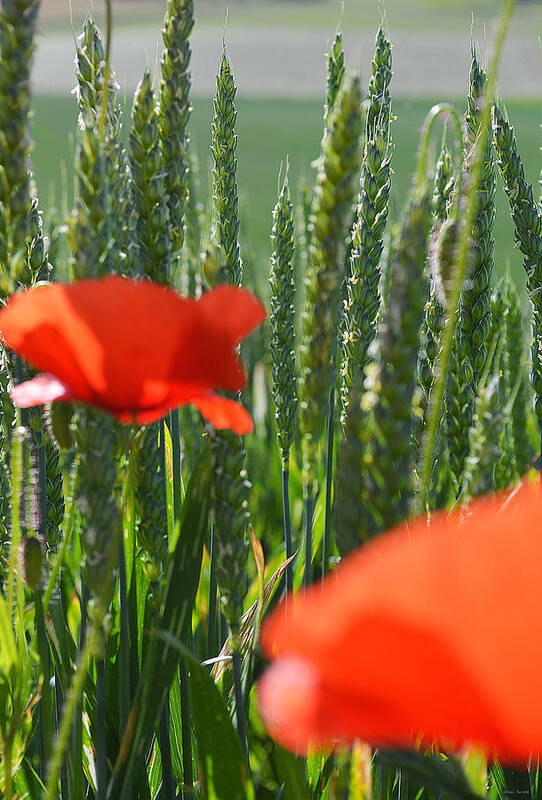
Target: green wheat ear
x=334, y=193
x=444, y=185
x=37, y=263
x=506, y=469
x=350, y=504
x=89, y=226
x=17, y=31
x=520, y=391
x=231, y=518
x=148, y=467
x=475, y=318
x=230, y=485
x=174, y=113
x=150, y=209
x=282, y=321
x=91, y=71
x=527, y=219
x=488, y=432
x=54, y=491
x=190, y=278
x=97, y=474
x=392, y=384
x=362, y=300
x=335, y=73
x=223, y=147
x=441, y=254
x=485, y=436
x=305, y=227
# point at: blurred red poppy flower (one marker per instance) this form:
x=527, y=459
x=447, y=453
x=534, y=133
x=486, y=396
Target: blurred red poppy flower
x=133, y=348
x=425, y=634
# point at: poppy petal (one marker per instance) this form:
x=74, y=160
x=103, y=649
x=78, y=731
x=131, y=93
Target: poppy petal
x=238, y=311
x=289, y=691
x=42, y=389
x=428, y=632
x=132, y=348
x=222, y=413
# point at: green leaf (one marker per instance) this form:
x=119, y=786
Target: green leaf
x=222, y=769
x=291, y=773
x=27, y=783
x=320, y=768
x=440, y=773
x=162, y=658
x=8, y=649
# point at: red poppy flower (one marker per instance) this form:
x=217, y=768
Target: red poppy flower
x=427, y=633
x=133, y=348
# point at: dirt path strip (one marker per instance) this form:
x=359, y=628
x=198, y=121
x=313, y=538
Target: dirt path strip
x=279, y=62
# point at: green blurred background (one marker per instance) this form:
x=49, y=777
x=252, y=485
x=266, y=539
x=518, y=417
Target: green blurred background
x=271, y=128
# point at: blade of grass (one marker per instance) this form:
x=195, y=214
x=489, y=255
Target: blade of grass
x=288, y=575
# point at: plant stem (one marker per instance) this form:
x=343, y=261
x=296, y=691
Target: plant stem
x=447, y=111
x=239, y=698
x=220, y=625
x=100, y=738
x=68, y=715
x=16, y=482
x=175, y=430
x=309, y=511
x=288, y=575
x=125, y=642
x=8, y=755
x=168, y=788
x=329, y=480
x=59, y=702
x=42, y=486
x=168, y=785
x=46, y=716
x=66, y=539
x=186, y=724
x=77, y=733
x=211, y=619
x=188, y=776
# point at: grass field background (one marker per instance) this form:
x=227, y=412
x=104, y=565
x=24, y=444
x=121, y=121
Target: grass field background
x=404, y=14
x=268, y=131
